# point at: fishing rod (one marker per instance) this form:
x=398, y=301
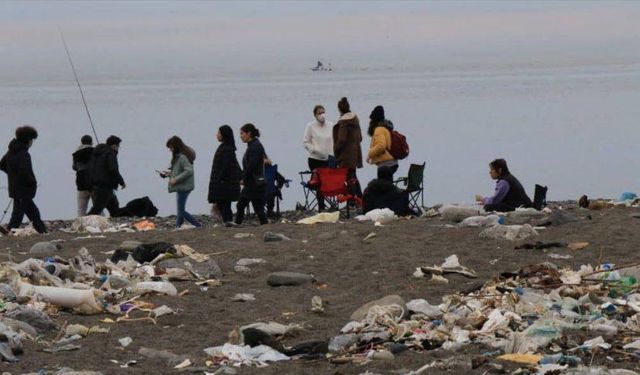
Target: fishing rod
x=8, y=205
x=79, y=87
x=5, y=211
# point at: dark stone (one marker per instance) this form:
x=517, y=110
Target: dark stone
x=144, y=253
x=558, y=217
x=275, y=237
x=288, y=279
x=309, y=348
x=395, y=347
x=254, y=337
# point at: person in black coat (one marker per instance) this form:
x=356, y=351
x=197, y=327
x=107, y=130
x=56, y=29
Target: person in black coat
x=254, y=184
x=16, y=163
x=105, y=177
x=81, y=162
x=224, y=183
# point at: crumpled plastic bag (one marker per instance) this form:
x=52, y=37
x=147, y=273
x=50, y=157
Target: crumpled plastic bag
x=186, y=251
x=91, y=224
x=246, y=355
x=273, y=328
x=523, y=216
x=378, y=216
x=480, y=221
x=459, y=213
x=509, y=232
x=23, y=232
x=424, y=307
x=323, y=217
x=161, y=287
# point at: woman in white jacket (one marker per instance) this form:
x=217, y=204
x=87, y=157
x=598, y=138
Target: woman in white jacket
x=318, y=141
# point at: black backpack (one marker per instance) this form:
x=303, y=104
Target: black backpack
x=138, y=207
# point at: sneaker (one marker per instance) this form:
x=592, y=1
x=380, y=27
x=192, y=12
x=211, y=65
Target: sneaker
x=231, y=224
x=4, y=230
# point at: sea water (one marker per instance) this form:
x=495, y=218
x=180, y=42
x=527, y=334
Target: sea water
x=571, y=127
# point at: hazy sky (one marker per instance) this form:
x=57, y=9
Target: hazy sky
x=182, y=35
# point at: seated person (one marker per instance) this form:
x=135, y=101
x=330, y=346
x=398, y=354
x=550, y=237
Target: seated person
x=274, y=192
x=382, y=193
x=509, y=193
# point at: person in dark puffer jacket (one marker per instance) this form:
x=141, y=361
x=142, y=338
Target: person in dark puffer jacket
x=383, y=193
x=509, y=193
x=105, y=177
x=16, y=163
x=81, y=162
x=224, y=182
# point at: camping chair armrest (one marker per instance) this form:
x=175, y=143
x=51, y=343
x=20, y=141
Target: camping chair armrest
x=302, y=174
x=405, y=180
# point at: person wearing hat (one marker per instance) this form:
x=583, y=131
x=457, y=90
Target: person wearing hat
x=105, y=177
x=16, y=163
x=380, y=133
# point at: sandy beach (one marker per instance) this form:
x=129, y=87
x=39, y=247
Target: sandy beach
x=349, y=273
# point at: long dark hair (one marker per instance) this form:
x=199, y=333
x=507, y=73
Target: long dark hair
x=251, y=129
x=500, y=165
x=179, y=147
x=376, y=118
x=227, y=136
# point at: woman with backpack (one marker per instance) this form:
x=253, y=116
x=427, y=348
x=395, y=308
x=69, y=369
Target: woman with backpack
x=380, y=133
x=181, y=178
x=253, y=180
x=224, y=182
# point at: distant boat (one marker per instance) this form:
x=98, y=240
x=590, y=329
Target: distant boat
x=321, y=68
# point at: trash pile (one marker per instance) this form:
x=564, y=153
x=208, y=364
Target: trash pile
x=33, y=291
x=540, y=316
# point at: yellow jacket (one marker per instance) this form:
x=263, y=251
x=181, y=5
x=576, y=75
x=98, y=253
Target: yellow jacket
x=380, y=145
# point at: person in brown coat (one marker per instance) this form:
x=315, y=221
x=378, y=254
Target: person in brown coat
x=347, y=137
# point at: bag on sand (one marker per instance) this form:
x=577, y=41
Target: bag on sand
x=140, y=207
x=399, y=146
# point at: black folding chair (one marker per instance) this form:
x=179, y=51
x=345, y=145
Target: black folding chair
x=414, y=183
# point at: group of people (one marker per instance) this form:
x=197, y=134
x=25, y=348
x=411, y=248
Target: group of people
x=328, y=145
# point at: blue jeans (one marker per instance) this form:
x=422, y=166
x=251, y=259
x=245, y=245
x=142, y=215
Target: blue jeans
x=182, y=214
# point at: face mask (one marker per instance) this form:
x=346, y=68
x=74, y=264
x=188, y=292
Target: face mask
x=320, y=118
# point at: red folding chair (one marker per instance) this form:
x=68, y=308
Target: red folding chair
x=334, y=187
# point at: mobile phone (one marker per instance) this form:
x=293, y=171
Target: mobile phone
x=161, y=174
